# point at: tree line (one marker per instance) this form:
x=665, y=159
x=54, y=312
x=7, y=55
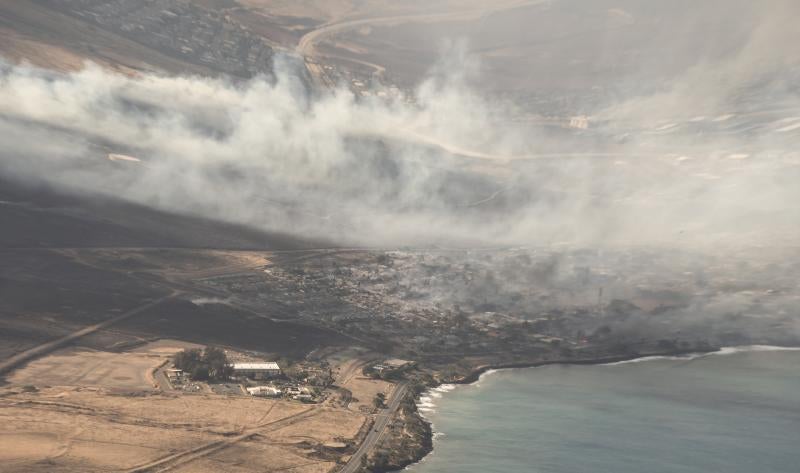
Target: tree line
x=210, y=364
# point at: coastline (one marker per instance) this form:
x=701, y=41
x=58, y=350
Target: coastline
x=475, y=375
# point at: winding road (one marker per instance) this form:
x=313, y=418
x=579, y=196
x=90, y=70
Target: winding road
x=306, y=47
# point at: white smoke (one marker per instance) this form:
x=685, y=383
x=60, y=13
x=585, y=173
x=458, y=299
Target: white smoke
x=443, y=169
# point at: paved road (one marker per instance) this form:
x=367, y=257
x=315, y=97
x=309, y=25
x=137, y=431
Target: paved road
x=381, y=421
x=306, y=46
x=48, y=347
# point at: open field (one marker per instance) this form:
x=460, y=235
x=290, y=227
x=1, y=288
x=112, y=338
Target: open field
x=99, y=411
x=364, y=390
x=89, y=429
x=81, y=367
x=17, y=48
x=174, y=263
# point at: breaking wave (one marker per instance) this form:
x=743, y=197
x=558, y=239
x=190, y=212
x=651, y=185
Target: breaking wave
x=427, y=402
x=721, y=352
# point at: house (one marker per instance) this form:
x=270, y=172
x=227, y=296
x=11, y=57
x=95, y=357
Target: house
x=256, y=370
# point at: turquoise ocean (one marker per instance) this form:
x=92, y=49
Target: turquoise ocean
x=736, y=411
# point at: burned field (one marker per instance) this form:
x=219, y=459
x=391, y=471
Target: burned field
x=442, y=307
x=50, y=293
x=483, y=306
x=97, y=401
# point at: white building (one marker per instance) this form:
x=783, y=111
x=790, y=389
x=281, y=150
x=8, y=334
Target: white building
x=256, y=370
x=264, y=391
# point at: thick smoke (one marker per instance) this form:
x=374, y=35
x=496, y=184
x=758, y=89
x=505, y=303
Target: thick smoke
x=758, y=74
x=443, y=168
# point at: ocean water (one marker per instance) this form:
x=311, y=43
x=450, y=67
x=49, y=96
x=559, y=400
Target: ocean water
x=737, y=411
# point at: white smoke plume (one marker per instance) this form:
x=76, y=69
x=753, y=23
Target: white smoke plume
x=445, y=169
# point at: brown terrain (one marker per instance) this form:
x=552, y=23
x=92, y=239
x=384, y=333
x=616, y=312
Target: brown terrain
x=80, y=428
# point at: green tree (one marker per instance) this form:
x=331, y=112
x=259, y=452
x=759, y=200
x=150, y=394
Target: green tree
x=217, y=362
x=209, y=364
x=199, y=372
x=188, y=359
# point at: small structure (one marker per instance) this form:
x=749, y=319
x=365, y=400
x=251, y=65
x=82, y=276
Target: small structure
x=304, y=397
x=264, y=391
x=175, y=375
x=391, y=367
x=396, y=363
x=297, y=390
x=256, y=370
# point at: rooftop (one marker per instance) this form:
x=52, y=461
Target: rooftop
x=270, y=365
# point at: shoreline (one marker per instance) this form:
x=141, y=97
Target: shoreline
x=476, y=374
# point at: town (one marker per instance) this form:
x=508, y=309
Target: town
x=270, y=235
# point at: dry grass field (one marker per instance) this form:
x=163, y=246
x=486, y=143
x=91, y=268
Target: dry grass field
x=347, y=367
x=83, y=367
x=91, y=429
x=99, y=411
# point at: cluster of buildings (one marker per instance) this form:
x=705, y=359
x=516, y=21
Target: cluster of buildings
x=298, y=393
x=250, y=374
x=259, y=371
x=518, y=300
x=264, y=391
x=391, y=366
x=178, y=28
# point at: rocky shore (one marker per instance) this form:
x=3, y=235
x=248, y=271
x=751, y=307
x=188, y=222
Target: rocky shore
x=408, y=439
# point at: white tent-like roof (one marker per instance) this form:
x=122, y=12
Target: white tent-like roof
x=267, y=366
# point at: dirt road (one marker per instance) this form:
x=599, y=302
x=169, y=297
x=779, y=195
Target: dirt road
x=50, y=346
x=181, y=458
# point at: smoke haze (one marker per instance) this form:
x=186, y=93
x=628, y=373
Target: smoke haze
x=710, y=159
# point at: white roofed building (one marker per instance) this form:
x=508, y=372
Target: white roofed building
x=257, y=370
x=264, y=391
